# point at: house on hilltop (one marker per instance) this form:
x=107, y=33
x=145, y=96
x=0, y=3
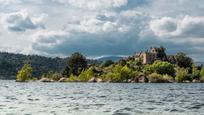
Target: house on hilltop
x=155, y=53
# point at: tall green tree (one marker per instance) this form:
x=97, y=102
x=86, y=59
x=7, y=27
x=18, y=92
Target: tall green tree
x=25, y=73
x=202, y=73
x=66, y=72
x=126, y=73
x=86, y=75
x=77, y=62
x=183, y=61
x=182, y=75
x=161, y=53
x=195, y=72
x=171, y=59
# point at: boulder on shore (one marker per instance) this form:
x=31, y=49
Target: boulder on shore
x=63, y=79
x=94, y=80
x=186, y=81
x=140, y=79
x=196, y=81
x=46, y=80
x=99, y=80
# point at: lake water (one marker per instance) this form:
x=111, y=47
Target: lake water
x=100, y=99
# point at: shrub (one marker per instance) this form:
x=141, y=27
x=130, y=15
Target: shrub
x=115, y=74
x=126, y=73
x=86, y=75
x=195, y=73
x=202, y=73
x=182, y=75
x=135, y=64
x=48, y=74
x=113, y=77
x=163, y=68
x=56, y=76
x=25, y=73
x=155, y=78
x=168, y=78
x=148, y=69
x=72, y=78
x=120, y=74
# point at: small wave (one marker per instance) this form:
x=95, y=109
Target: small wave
x=196, y=106
x=30, y=99
x=176, y=110
x=121, y=114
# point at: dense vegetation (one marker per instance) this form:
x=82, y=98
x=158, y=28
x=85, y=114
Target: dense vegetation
x=166, y=69
x=11, y=63
x=25, y=73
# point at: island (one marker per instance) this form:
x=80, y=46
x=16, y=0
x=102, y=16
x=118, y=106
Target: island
x=151, y=66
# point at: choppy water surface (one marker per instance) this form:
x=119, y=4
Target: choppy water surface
x=102, y=98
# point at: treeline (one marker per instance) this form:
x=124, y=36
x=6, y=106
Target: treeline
x=177, y=68
x=11, y=63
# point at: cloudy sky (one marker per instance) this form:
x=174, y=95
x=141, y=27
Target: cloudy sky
x=101, y=27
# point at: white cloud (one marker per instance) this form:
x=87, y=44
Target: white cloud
x=90, y=25
x=92, y=35
x=7, y=2
x=163, y=27
x=174, y=8
x=48, y=39
x=187, y=27
x=100, y=27
x=95, y=4
x=108, y=22
x=131, y=13
x=109, y=27
x=20, y=21
x=191, y=27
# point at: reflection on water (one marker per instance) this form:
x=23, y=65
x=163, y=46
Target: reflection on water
x=102, y=98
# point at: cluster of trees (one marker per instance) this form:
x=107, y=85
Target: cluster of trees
x=10, y=64
x=178, y=68
x=76, y=64
x=25, y=73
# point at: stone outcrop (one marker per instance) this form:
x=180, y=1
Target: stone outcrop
x=46, y=80
x=140, y=79
x=196, y=81
x=63, y=79
x=186, y=81
x=94, y=80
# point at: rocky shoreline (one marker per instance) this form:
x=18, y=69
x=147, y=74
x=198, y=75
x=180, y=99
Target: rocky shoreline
x=99, y=80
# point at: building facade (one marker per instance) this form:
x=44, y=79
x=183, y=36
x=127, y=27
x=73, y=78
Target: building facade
x=150, y=55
